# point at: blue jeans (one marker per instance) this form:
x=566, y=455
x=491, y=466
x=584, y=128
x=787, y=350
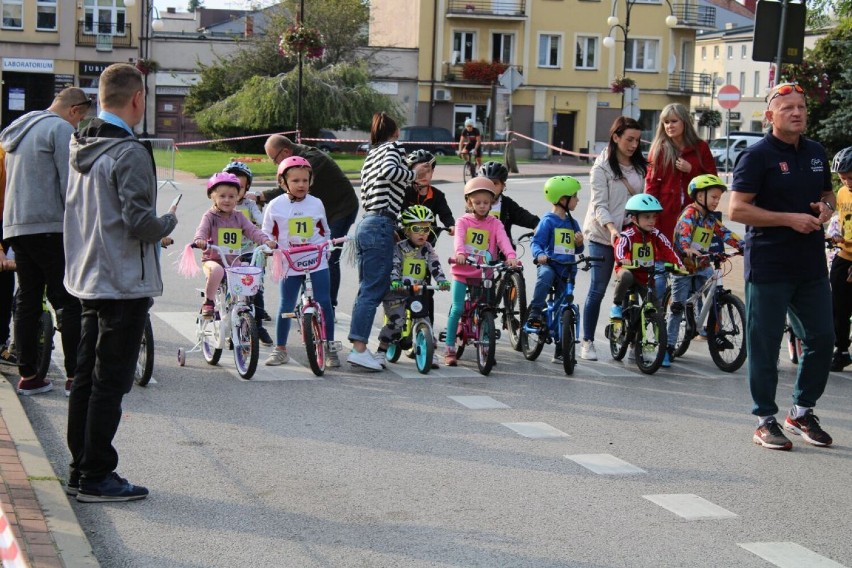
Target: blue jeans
x=338, y=229
x=374, y=244
x=682, y=288
x=290, y=288
x=547, y=278
x=808, y=304
x=601, y=273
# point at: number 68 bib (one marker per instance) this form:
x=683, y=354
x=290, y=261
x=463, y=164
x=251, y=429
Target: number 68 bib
x=643, y=254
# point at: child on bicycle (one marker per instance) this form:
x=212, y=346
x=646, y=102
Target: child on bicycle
x=478, y=233
x=297, y=218
x=421, y=192
x=639, y=245
x=414, y=259
x=505, y=208
x=249, y=208
x=841, y=264
x=225, y=227
x=558, y=236
x=694, y=233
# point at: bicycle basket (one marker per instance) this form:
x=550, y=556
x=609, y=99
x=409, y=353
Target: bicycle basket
x=244, y=280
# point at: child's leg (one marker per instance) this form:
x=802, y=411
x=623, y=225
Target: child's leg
x=395, y=319
x=623, y=282
x=543, y=283
x=458, y=291
x=681, y=288
x=290, y=287
x=215, y=272
x=322, y=292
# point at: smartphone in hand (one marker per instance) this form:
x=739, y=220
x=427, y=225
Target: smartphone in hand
x=176, y=201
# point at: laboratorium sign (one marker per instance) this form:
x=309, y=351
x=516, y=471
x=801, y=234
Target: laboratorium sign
x=28, y=65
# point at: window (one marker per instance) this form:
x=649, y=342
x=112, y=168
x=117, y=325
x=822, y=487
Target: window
x=46, y=15
x=743, y=51
x=742, y=81
x=704, y=52
x=728, y=78
x=13, y=14
x=715, y=52
x=549, y=50
x=642, y=54
x=502, y=47
x=104, y=17
x=730, y=52
x=463, y=43
x=587, y=53
x=757, y=83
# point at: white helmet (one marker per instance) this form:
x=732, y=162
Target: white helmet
x=469, y=122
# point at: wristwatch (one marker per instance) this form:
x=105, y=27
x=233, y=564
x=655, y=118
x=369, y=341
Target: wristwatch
x=827, y=204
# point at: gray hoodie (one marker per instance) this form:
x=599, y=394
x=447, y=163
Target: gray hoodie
x=37, y=173
x=111, y=225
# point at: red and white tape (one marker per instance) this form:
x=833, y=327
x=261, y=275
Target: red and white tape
x=10, y=552
x=200, y=142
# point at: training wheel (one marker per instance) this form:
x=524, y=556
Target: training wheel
x=181, y=356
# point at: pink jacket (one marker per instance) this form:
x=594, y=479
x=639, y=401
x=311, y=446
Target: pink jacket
x=474, y=235
x=209, y=230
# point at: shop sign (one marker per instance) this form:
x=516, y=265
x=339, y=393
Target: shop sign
x=27, y=65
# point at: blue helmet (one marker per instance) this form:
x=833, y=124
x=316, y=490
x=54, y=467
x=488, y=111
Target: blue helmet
x=642, y=203
x=239, y=168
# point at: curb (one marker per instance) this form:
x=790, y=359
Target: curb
x=71, y=542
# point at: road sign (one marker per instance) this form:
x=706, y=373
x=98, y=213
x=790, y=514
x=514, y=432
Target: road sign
x=728, y=97
x=511, y=79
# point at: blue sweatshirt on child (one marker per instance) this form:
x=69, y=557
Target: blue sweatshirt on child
x=555, y=238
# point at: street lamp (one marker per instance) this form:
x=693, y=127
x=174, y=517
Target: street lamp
x=145, y=46
x=613, y=22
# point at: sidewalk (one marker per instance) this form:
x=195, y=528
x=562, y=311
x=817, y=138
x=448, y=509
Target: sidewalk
x=34, y=502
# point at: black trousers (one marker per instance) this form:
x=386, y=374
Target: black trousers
x=841, y=298
x=106, y=360
x=40, y=263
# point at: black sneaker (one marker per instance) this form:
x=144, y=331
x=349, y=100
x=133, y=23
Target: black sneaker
x=534, y=322
x=808, y=428
x=111, y=489
x=771, y=436
x=263, y=336
x=72, y=486
x=7, y=357
x=840, y=360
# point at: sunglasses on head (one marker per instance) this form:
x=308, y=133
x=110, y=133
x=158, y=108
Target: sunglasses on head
x=87, y=102
x=785, y=90
x=419, y=229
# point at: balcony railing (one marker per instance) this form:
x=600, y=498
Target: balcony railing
x=695, y=16
x=686, y=83
x=102, y=36
x=490, y=8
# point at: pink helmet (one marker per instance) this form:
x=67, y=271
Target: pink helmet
x=295, y=162
x=219, y=179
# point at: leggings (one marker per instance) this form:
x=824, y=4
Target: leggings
x=459, y=290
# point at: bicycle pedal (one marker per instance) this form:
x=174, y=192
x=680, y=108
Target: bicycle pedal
x=498, y=334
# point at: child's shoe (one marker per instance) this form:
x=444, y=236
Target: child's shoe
x=615, y=312
x=534, y=321
x=277, y=357
x=264, y=337
x=450, y=357
x=840, y=360
x=207, y=309
x=331, y=358
x=667, y=358
x=435, y=361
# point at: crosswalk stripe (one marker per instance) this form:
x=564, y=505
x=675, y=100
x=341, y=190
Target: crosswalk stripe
x=477, y=402
x=605, y=464
x=536, y=430
x=690, y=507
x=789, y=555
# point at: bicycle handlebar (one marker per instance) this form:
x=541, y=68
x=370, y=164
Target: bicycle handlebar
x=667, y=267
x=580, y=259
x=471, y=261
x=526, y=236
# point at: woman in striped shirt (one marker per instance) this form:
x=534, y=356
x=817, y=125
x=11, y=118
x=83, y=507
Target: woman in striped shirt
x=384, y=178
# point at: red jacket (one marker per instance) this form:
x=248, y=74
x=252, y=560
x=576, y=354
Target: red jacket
x=670, y=186
x=632, y=247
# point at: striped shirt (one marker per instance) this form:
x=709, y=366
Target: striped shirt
x=384, y=179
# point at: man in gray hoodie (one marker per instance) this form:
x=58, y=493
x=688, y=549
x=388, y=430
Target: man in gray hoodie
x=36, y=148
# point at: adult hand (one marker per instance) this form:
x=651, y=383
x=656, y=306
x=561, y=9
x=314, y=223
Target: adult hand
x=451, y=230
x=822, y=210
x=683, y=165
x=252, y=196
x=804, y=223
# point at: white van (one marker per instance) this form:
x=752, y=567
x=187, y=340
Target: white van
x=737, y=142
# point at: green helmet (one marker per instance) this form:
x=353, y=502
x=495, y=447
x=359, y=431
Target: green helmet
x=705, y=181
x=416, y=214
x=642, y=203
x=560, y=186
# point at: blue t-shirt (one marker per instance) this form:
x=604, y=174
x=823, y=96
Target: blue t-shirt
x=784, y=178
x=556, y=238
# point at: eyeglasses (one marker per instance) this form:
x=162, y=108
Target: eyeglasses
x=419, y=229
x=275, y=160
x=785, y=90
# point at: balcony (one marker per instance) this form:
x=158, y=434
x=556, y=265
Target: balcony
x=488, y=9
x=685, y=83
x=103, y=36
x=694, y=16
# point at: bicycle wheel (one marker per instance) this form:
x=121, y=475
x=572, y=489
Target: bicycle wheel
x=569, y=346
x=468, y=172
x=726, y=333
x=650, y=346
x=683, y=339
x=44, y=344
x=311, y=334
x=424, y=347
x=515, y=308
x=485, y=342
x=246, y=348
x=145, y=362
x=210, y=333
x=393, y=352
x=619, y=343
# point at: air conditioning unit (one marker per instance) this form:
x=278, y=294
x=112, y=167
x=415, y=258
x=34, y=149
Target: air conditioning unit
x=443, y=95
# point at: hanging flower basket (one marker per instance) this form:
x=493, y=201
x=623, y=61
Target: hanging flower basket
x=147, y=66
x=621, y=83
x=301, y=39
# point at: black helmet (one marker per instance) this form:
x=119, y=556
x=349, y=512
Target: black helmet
x=420, y=157
x=842, y=161
x=493, y=170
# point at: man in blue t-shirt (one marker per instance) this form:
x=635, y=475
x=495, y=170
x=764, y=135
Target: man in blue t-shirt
x=782, y=191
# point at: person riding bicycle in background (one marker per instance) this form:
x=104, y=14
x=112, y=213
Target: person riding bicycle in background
x=640, y=244
x=413, y=261
x=693, y=236
x=480, y=234
x=297, y=218
x=841, y=266
x=421, y=192
x=558, y=237
x=249, y=208
x=470, y=141
x=505, y=208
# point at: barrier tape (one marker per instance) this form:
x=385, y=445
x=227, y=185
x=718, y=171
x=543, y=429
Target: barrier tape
x=545, y=144
x=199, y=142
x=10, y=552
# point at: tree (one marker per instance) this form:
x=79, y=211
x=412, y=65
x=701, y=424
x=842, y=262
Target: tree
x=820, y=12
x=833, y=132
x=194, y=5
x=343, y=24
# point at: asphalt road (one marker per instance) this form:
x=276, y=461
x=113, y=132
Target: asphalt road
x=606, y=468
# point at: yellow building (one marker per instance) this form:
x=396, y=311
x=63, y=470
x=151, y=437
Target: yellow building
x=558, y=49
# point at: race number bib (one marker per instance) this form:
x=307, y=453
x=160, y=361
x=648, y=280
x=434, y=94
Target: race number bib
x=476, y=241
x=643, y=254
x=495, y=213
x=847, y=228
x=563, y=241
x=302, y=227
x=413, y=269
x=231, y=240
x=701, y=239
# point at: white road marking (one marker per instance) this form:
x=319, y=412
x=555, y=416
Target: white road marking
x=475, y=402
x=605, y=464
x=789, y=555
x=535, y=430
x=690, y=507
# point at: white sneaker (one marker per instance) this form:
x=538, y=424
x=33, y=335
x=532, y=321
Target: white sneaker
x=277, y=357
x=435, y=364
x=364, y=359
x=587, y=351
x=382, y=358
x=631, y=354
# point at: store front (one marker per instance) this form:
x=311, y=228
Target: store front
x=28, y=85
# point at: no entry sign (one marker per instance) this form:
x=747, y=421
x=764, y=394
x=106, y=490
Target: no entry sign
x=729, y=96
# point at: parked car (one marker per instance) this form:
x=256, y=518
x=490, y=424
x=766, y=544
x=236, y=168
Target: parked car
x=409, y=136
x=328, y=144
x=734, y=145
